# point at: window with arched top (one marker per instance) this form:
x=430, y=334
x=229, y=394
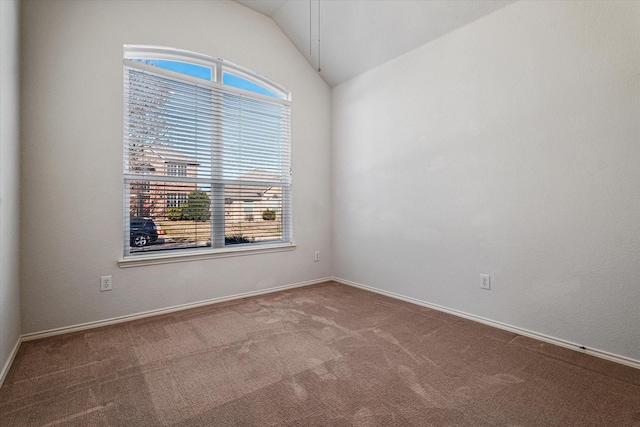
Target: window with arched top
x=205, y=139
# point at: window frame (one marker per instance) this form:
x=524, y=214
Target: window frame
x=218, y=67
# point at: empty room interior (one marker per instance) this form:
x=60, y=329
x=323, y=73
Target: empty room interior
x=314, y=212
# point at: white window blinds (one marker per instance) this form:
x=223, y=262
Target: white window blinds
x=196, y=154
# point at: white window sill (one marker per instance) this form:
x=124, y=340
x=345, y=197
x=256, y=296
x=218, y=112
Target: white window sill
x=194, y=255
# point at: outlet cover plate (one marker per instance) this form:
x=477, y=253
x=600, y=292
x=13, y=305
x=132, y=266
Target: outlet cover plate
x=485, y=281
x=106, y=283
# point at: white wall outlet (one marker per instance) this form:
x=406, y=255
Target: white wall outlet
x=316, y=256
x=105, y=283
x=485, y=281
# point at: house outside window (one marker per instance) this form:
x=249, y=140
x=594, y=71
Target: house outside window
x=206, y=143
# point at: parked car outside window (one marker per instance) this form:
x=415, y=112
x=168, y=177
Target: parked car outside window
x=143, y=231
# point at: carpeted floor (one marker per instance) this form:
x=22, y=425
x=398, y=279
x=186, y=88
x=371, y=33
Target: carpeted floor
x=322, y=355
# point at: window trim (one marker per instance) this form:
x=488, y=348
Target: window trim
x=218, y=67
x=196, y=254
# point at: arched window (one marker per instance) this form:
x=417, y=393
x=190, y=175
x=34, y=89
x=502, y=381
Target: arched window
x=203, y=139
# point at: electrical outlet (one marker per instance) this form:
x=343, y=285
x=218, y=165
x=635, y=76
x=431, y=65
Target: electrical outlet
x=485, y=281
x=316, y=256
x=105, y=283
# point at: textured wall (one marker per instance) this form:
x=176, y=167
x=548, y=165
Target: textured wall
x=508, y=147
x=72, y=153
x=9, y=180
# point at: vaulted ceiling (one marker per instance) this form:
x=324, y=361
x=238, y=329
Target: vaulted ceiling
x=357, y=35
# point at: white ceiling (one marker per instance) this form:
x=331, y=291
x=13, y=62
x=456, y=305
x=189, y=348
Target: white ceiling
x=357, y=35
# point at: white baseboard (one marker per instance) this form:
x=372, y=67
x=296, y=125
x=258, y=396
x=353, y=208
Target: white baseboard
x=535, y=335
x=7, y=365
x=151, y=313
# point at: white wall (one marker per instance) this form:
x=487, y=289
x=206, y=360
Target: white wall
x=72, y=153
x=9, y=181
x=509, y=147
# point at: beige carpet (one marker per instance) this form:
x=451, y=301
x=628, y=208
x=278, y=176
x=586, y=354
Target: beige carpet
x=323, y=355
